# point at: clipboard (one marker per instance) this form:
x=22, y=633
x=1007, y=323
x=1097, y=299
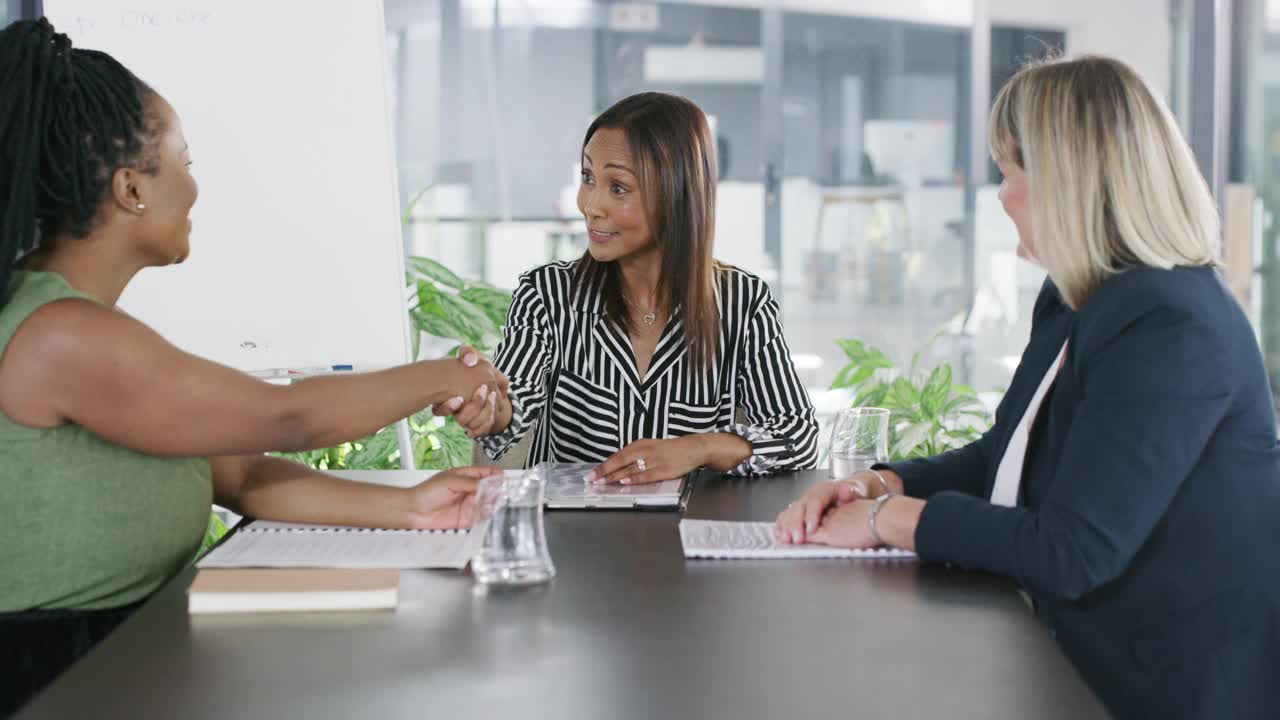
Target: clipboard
x=566, y=489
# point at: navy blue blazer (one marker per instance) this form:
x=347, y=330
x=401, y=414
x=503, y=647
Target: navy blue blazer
x=1148, y=526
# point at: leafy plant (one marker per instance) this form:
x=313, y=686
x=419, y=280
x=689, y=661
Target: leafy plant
x=437, y=445
x=443, y=306
x=928, y=413
x=212, y=534
x=446, y=306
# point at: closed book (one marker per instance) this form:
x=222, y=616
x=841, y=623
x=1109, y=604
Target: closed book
x=232, y=590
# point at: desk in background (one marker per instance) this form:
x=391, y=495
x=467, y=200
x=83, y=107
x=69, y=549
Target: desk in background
x=628, y=629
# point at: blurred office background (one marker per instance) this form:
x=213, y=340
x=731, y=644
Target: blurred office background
x=851, y=133
x=851, y=136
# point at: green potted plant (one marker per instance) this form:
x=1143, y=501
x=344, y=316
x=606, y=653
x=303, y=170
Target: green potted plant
x=928, y=412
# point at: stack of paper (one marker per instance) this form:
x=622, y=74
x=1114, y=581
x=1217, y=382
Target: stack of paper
x=756, y=540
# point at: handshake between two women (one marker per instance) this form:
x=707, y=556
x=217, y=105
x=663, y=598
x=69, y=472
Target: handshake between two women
x=487, y=411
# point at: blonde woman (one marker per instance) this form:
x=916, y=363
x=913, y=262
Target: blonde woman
x=1131, y=482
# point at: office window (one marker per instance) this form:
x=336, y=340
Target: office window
x=875, y=117
x=492, y=99
x=1251, y=234
x=883, y=235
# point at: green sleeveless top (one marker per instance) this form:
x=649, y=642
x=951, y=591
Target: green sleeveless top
x=84, y=523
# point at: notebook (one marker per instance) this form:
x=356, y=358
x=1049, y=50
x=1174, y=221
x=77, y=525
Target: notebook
x=227, y=590
x=755, y=540
x=567, y=490
x=281, y=545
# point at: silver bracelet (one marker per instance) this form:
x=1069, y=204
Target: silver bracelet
x=883, y=483
x=875, y=510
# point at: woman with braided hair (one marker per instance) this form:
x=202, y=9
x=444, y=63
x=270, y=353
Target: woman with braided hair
x=113, y=442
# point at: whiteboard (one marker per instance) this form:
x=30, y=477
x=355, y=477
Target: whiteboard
x=296, y=255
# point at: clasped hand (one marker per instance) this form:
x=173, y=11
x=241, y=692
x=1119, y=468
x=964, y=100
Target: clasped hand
x=487, y=410
x=831, y=513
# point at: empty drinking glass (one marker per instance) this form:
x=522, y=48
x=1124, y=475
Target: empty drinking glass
x=859, y=439
x=513, y=549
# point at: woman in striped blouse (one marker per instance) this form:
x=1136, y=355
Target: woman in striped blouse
x=638, y=355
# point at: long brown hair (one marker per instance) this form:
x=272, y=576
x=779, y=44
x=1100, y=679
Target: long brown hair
x=671, y=142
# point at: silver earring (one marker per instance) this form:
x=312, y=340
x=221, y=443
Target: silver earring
x=142, y=206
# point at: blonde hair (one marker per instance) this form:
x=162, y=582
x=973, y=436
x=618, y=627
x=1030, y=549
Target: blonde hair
x=1112, y=182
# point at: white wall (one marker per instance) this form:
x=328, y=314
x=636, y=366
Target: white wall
x=1135, y=31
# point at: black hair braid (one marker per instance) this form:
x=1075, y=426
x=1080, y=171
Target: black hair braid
x=69, y=118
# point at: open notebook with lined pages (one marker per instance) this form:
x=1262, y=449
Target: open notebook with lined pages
x=756, y=540
x=278, y=544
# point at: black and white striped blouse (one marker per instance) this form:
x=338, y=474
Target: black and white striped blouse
x=573, y=373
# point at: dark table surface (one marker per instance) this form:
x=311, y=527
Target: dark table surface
x=628, y=629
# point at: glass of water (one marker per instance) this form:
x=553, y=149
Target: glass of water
x=859, y=439
x=513, y=549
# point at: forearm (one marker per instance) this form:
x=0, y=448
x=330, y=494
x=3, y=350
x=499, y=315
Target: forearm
x=278, y=489
x=504, y=412
x=722, y=452
x=897, y=520
x=516, y=413
x=336, y=409
x=525, y=358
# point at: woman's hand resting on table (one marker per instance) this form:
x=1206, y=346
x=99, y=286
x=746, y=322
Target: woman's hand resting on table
x=447, y=500
x=799, y=520
x=650, y=461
